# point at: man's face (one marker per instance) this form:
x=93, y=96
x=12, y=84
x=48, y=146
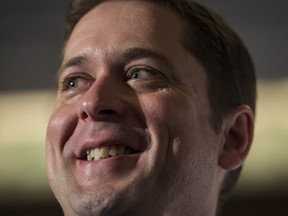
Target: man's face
x=135, y=100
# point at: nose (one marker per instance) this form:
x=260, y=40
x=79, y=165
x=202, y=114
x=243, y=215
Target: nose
x=105, y=100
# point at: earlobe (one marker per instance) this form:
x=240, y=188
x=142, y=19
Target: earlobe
x=238, y=129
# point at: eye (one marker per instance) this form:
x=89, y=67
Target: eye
x=139, y=73
x=146, y=79
x=74, y=83
x=136, y=74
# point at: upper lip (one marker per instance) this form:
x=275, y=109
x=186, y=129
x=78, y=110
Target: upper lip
x=131, y=138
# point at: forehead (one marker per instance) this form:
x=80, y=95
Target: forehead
x=132, y=11
x=122, y=22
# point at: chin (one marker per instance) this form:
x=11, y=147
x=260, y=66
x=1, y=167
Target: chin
x=104, y=202
x=90, y=204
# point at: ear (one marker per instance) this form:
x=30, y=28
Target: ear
x=238, y=130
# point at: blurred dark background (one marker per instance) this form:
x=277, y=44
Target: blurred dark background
x=30, y=43
x=31, y=38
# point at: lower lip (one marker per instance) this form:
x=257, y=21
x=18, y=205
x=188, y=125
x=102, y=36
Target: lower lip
x=111, y=166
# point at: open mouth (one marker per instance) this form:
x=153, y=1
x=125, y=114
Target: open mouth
x=99, y=153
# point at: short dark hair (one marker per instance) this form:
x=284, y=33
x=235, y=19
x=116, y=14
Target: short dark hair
x=230, y=70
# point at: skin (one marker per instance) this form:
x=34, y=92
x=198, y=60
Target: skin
x=133, y=83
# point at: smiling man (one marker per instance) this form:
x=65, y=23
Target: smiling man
x=155, y=109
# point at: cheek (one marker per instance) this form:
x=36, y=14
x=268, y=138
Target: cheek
x=180, y=125
x=61, y=125
x=169, y=125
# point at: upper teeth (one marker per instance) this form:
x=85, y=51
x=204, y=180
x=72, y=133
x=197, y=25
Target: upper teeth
x=106, y=151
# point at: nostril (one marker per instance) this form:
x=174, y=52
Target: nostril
x=107, y=112
x=84, y=115
x=101, y=114
x=101, y=110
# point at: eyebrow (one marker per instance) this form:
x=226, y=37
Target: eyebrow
x=73, y=62
x=139, y=53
